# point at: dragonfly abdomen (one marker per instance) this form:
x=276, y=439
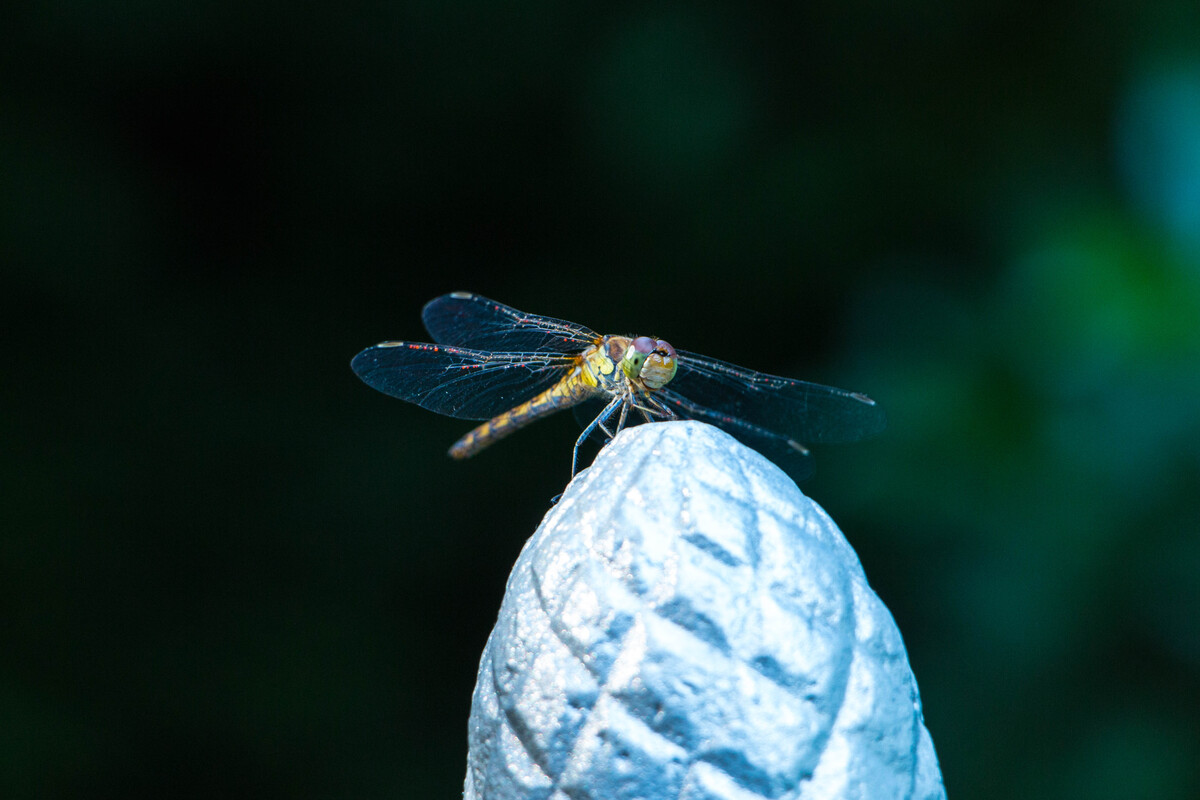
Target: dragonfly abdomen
x=570, y=391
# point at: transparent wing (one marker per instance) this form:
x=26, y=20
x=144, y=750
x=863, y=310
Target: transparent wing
x=456, y=381
x=469, y=320
x=792, y=410
x=665, y=404
x=788, y=454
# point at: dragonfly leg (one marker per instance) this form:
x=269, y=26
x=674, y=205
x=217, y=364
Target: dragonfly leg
x=624, y=414
x=607, y=433
x=598, y=421
x=656, y=407
x=620, y=422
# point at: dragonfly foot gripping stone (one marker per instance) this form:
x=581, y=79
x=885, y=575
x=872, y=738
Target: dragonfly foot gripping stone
x=686, y=624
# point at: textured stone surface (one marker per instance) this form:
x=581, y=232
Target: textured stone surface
x=686, y=624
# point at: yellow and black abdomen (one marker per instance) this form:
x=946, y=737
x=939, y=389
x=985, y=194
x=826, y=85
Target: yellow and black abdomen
x=570, y=391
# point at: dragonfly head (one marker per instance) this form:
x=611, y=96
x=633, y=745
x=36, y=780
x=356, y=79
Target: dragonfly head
x=651, y=360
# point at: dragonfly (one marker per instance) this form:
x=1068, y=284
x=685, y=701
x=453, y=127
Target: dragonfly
x=491, y=362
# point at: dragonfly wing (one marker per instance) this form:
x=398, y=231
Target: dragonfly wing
x=781, y=449
x=793, y=410
x=456, y=381
x=469, y=320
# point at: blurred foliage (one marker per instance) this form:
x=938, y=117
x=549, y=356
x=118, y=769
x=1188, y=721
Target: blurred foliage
x=229, y=569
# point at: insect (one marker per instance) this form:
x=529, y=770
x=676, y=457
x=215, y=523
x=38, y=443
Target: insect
x=492, y=362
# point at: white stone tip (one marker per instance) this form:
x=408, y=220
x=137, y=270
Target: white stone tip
x=686, y=623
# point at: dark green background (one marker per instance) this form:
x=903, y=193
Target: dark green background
x=229, y=569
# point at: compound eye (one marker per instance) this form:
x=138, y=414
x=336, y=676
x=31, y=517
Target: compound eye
x=644, y=345
x=635, y=355
x=660, y=366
